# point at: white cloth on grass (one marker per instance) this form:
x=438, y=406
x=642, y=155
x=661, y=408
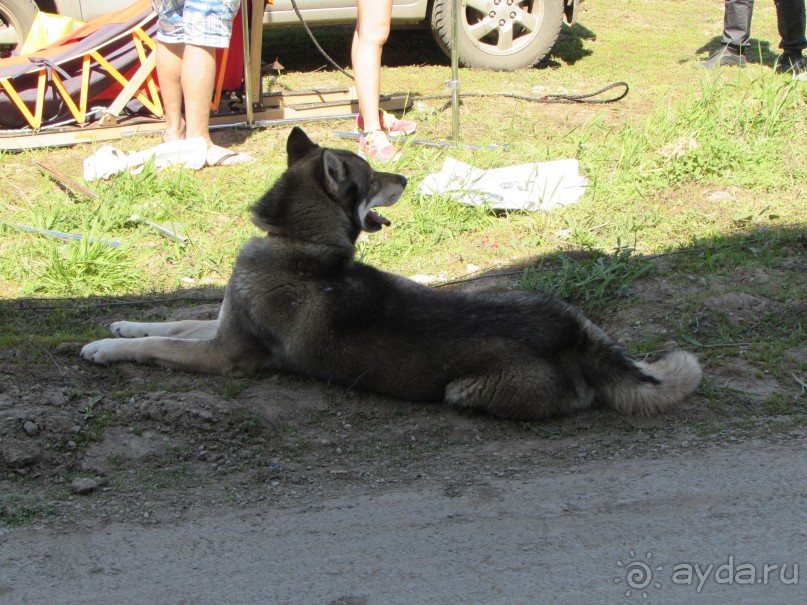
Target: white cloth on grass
x=107, y=161
x=536, y=186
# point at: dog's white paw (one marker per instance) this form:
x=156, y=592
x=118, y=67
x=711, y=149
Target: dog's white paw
x=129, y=329
x=105, y=351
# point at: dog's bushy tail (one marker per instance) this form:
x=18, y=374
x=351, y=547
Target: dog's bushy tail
x=642, y=388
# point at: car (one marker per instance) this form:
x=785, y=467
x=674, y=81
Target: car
x=493, y=34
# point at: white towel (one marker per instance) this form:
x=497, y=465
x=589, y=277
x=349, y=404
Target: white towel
x=189, y=153
x=537, y=186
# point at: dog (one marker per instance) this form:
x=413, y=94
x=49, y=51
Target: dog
x=298, y=301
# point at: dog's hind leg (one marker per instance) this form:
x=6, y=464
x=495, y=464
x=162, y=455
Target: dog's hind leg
x=194, y=329
x=530, y=392
x=205, y=356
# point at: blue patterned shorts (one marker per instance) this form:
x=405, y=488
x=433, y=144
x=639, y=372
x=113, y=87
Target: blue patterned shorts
x=197, y=22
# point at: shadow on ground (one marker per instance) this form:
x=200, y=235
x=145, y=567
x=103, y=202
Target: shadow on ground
x=759, y=52
x=297, y=52
x=112, y=434
x=570, y=45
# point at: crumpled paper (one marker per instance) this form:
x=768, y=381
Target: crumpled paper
x=107, y=161
x=530, y=187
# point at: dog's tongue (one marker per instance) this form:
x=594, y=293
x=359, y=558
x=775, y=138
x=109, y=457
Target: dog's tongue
x=377, y=218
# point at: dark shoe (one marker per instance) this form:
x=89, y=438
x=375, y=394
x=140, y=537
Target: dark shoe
x=725, y=55
x=791, y=63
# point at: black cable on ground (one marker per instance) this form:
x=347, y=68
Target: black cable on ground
x=555, y=98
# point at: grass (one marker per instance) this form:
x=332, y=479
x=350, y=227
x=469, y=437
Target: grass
x=19, y=510
x=167, y=470
x=588, y=282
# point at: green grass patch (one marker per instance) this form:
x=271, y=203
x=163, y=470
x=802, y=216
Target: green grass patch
x=591, y=282
x=20, y=510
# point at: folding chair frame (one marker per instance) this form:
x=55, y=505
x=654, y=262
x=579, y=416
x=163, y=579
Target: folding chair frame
x=141, y=85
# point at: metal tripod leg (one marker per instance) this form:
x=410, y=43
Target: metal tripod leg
x=454, y=83
x=246, y=5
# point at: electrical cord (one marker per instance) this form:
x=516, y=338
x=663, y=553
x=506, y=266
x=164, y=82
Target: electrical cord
x=316, y=43
x=553, y=98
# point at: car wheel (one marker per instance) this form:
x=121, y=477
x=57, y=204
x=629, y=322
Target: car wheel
x=16, y=18
x=499, y=34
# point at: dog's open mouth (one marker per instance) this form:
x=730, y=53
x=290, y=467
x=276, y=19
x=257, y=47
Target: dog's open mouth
x=385, y=191
x=374, y=221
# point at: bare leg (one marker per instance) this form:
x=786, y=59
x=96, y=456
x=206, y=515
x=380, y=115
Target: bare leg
x=198, y=81
x=169, y=71
x=372, y=31
x=188, y=72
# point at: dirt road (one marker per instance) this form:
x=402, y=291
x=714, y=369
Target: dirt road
x=133, y=484
x=699, y=526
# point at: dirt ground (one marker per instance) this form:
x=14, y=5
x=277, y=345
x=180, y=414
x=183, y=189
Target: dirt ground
x=93, y=455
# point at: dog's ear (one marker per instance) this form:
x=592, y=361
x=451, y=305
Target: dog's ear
x=298, y=145
x=335, y=172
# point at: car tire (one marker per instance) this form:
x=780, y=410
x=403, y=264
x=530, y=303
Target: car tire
x=19, y=15
x=499, y=34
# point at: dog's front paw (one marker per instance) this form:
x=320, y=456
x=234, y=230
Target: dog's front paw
x=129, y=329
x=104, y=351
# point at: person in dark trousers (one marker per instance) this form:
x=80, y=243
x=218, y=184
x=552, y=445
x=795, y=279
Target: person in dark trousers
x=790, y=16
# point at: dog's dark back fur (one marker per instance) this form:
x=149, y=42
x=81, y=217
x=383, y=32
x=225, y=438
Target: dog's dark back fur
x=515, y=354
x=299, y=301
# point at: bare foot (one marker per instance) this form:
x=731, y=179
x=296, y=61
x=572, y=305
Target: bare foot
x=171, y=134
x=219, y=156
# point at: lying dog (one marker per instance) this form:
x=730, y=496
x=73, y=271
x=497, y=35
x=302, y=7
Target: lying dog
x=298, y=301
